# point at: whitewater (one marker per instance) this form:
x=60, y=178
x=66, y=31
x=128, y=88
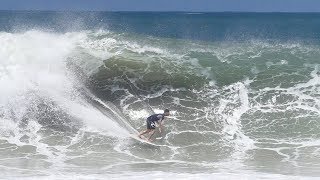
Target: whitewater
x=242, y=108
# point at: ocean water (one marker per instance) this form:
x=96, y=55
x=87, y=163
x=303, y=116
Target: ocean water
x=243, y=89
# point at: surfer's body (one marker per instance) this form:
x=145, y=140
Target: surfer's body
x=151, y=123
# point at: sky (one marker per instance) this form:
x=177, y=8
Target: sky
x=165, y=5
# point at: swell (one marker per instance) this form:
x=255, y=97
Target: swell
x=229, y=100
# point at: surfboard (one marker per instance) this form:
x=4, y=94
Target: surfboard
x=143, y=140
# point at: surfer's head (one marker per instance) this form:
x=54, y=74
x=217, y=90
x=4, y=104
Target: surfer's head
x=166, y=112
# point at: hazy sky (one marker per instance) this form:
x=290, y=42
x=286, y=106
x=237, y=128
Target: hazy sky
x=165, y=5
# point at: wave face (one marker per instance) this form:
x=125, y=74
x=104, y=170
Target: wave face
x=71, y=95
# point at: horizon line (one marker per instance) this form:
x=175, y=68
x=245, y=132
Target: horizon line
x=149, y=11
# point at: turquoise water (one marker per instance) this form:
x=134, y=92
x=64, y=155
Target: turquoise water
x=177, y=25
x=243, y=89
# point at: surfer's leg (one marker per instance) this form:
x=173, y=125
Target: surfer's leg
x=144, y=132
x=151, y=134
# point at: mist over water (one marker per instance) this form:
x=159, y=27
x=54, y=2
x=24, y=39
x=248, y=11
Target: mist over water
x=71, y=95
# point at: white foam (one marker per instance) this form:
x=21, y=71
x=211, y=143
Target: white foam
x=245, y=175
x=233, y=127
x=33, y=64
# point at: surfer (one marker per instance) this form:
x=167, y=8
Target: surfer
x=151, y=126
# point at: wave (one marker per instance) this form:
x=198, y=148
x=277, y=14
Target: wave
x=86, y=91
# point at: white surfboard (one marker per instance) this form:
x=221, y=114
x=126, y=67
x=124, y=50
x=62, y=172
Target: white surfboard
x=135, y=136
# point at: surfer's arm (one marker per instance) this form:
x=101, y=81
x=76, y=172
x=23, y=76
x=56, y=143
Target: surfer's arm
x=160, y=125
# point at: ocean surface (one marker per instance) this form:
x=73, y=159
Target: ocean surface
x=243, y=90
